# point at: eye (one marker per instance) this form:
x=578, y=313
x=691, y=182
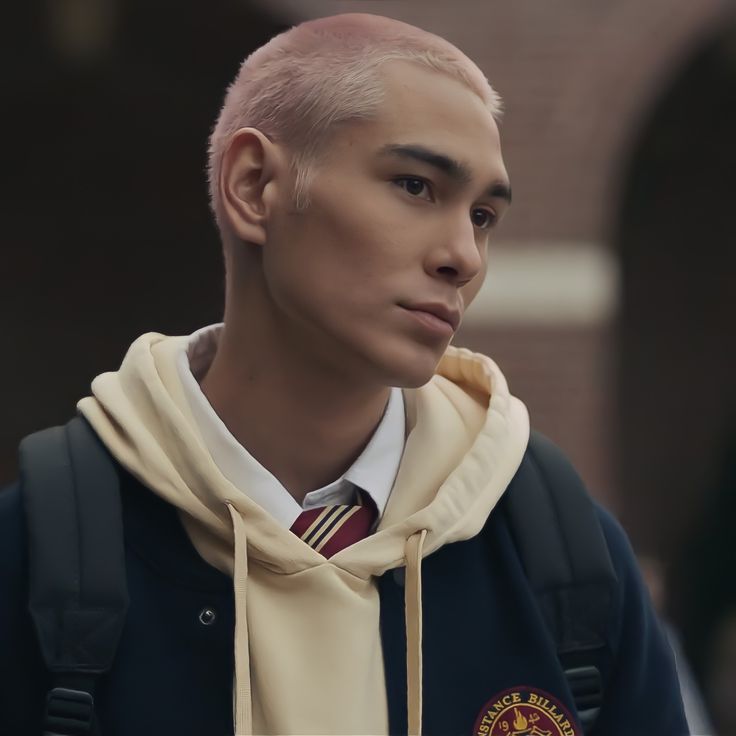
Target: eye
x=413, y=185
x=484, y=219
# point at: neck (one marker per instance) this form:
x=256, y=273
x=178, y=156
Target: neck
x=301, y=421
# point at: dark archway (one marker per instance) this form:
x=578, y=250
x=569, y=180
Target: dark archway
x=677, y=394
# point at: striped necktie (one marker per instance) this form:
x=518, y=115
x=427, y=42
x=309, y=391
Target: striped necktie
x=328, y=529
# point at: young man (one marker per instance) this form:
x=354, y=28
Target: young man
x=313, y=536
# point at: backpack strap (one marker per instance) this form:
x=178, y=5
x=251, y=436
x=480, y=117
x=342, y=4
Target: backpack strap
x=566, y=558
x=78, y=594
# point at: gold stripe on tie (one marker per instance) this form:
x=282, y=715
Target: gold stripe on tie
x=336, y=528
x=335, y=513
x=325, y=511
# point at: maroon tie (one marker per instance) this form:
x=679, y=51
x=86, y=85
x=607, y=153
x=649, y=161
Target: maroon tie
x=328, y=529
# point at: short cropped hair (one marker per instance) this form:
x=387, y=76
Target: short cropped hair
x=307, y=80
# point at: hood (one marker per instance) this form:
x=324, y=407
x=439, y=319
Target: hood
x=466, y=436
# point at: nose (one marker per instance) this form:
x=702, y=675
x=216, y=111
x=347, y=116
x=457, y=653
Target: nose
x=457, y=257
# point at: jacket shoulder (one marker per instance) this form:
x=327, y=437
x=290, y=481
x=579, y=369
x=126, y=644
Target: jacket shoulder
x=642, y=687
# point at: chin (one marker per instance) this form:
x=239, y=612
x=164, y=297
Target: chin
x=409, y=370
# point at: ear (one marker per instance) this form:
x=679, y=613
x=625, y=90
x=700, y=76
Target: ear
x=249, y=171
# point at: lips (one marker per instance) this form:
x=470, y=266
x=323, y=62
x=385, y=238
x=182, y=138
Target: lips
x=441, y=311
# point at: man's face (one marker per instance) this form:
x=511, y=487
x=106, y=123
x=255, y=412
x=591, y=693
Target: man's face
x=395, y=232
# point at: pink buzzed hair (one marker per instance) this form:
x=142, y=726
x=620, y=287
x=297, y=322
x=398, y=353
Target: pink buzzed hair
x=300, y=85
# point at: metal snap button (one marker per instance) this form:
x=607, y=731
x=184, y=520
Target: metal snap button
x=207, y=616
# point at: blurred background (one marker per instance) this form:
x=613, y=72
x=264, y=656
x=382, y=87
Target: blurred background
x=611, y=294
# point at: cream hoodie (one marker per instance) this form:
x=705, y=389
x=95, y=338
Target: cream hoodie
x=308, y=657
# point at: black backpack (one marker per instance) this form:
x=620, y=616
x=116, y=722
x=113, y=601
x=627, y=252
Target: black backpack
x=78, y=592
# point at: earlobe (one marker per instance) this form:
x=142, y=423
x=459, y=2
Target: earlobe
x=247, y=168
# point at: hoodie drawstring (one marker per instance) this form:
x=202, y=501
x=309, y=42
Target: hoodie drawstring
x=413, y=611
x=243, y=699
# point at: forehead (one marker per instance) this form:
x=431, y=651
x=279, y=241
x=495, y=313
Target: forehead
x=431, y=109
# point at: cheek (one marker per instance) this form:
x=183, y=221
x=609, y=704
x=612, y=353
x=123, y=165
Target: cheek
x=351, y=248
x=322, y=262
x=359, y=246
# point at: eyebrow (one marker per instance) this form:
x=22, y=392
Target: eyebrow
x=449, y=166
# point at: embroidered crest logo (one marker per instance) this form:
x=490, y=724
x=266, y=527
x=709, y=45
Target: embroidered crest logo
x=523, y=711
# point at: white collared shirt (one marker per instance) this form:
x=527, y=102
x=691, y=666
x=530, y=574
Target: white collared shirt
x=374, y=471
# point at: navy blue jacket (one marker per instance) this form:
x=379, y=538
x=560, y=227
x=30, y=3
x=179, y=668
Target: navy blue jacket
x=483, y=636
